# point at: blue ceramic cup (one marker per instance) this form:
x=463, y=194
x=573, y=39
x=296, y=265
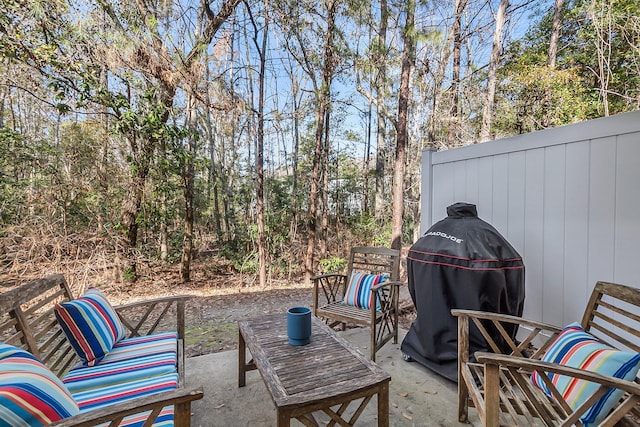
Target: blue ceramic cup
x=299, y=325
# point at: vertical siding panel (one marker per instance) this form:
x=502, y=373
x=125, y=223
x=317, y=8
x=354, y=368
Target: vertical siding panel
x=485, y=188
x=576, y=282
x=627, y=220
x=553, y=235
x=516, y=196
x=471, y=186
x=443, y=191
x=460, y=181
x=533, y=250
x=602, y=203
x=500, y=193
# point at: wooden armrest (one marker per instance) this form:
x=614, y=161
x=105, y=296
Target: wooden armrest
x=135, y=406
x=504, y=318
x=386, y=284
x=530, y=365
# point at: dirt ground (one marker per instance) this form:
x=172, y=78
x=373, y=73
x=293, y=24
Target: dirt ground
x=219, y=301
x=212, y=321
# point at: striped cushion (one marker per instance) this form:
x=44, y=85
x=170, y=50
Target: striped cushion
x=104, y=396
x=111, y=395
x=105, y=374
x=133, y=348
x=30, y=394
x=91, y=325
x=358, y=292
x=576, y=348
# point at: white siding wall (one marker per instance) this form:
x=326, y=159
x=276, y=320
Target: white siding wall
x=568, y=199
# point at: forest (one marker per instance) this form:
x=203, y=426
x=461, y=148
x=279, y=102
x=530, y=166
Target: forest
x=266, y=137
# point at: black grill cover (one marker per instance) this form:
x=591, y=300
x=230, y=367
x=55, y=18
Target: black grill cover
x=460, y=262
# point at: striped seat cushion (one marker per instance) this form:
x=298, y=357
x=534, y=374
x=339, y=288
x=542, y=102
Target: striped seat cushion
x=89, y=400
x=30, y=394
x=358, y=293
x=578, y=349
x=91, y=325
x=132, y=348
x=105, y=374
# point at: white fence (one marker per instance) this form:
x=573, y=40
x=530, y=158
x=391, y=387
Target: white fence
x=568, y=199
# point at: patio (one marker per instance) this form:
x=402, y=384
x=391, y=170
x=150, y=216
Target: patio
x=417, y=396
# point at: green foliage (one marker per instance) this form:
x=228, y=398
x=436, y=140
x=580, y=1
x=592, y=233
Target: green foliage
x=15, y=155
x=537, y=97
x=332, y=265
x=367, y=229
x=593, y=33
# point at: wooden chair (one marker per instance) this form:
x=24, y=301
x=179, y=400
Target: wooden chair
x=499, y=384
x=329, y=292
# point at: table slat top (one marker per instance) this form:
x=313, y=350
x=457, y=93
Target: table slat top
x=325, y=368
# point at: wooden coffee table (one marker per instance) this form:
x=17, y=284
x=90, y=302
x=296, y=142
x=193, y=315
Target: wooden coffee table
x=325, y=375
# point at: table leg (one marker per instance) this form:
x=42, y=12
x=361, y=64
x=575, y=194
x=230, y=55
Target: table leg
x=284, y=418
x=242, y=360
x=383, y=405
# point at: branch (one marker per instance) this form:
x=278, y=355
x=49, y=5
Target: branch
x=213, y=25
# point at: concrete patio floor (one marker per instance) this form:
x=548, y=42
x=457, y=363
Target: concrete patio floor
x=417, y=396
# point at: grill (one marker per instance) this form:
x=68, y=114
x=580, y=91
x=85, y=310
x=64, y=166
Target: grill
x=461, y=262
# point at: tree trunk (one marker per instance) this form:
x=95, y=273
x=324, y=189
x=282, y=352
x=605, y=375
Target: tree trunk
x=188, y=178
x=130, y=207
x=408, y=61
x=212, y=184
x=381, y=93
x=602, y=21
x=487, y=110
x=322, y=105
x=555, y=34
x=293, y=227
x=367, y=160
x=455, y=77
x=262, y=51
x=325, y=183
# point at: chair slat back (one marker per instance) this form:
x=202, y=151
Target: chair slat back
x=613, y=315
x=27, y=320
x=374, y=260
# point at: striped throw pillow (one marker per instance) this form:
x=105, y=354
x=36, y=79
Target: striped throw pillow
x=358, y=292
x=91, y=325
x=578, y=349
x=30, y=394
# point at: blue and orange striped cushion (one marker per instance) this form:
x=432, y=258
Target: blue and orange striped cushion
x=135, y=347
x=135, y=367
x=358, y=293
x=578, y=349
x=30, y=394
x=101, y=397
x=91, y=325
x=106, y=374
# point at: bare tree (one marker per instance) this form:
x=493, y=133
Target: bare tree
x=455, y=74
x=602, y=21
x=408, y=62
x=261, y=48
x=487, y=110
x=381, y=85
x=188, y=172
x=555, y=34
